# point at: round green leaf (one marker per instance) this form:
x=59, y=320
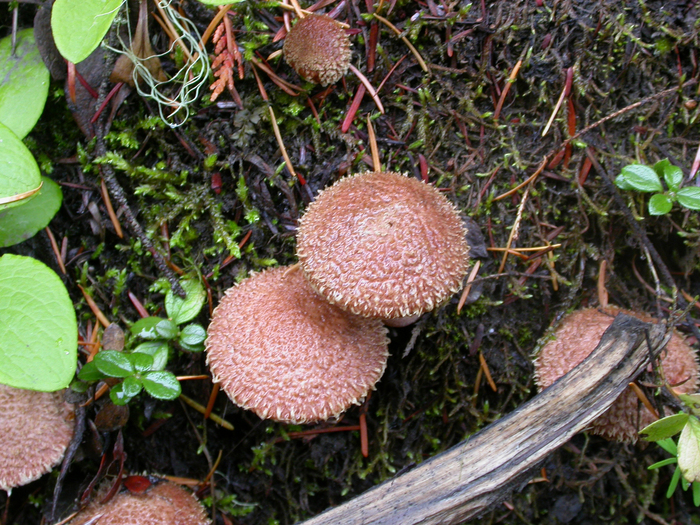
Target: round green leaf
x=158, y=350
x=80, y=25
x=167, y=329
x=19, y=172
x=122, y=393
x=665, y=428
x=182, y=310
x=38, y=329
x=689, y=450
x=161, y=384
x=622, y=183
x=24, y=83
x=146, y=328
x=660, y=204
x=689, y=197
x=641, y=178
x=673, y=175
x=141, y=362
x=89, y=372
x=20, y=223
x=193, y=334
x=114, y=364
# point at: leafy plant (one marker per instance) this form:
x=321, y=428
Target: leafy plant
x=648, y=179
x=144, y=367
x=686, y=453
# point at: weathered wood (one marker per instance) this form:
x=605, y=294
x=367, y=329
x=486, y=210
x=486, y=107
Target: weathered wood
x=471, y=477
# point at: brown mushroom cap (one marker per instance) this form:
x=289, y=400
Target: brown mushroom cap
x=280, y=350
x=318, y=49
x=164, y=503
x=577, y=336
x=383, y=245
x=35, y=430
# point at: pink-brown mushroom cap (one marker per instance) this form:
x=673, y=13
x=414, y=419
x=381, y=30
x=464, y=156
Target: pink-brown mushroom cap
x=318, y=49
x=282, y=351
x=35, y=430
x=383, y=245
x=164, y=503
x=577, y=336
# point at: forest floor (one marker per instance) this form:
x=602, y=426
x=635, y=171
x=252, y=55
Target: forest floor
x=619, y=82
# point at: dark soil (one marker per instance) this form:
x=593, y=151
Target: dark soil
x=616, y=54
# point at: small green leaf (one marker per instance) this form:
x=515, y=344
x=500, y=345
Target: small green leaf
x=689, y=197
x=621, y=182
x=123, y=392
x=673, y=175
x=38, y=328
x=80, y=25
x=114, y=364
x=221, y=2
x=24, y=83
x=696, y=493
x=141, y=362
x=182, y=310
x=158, y=350
x=641, y=178
x=89, y=372
x=668, y=445
x=20, y=223
x=674, y=482
x=660, y=204
x=167, y=329
x=161, y=384
x=663, y=463
x=689, y=450
x=665, y=428
x=19, y=172
x=146, y=328
x=192, y=335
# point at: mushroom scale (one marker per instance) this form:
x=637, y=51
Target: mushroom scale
x=383, y=245
x=282, y=351
x=35, y=430
x=163, y=503
x=318, y=49
x=577, y=336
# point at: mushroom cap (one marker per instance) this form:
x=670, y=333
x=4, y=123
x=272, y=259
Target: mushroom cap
x=163, y=503
x=318, y=49
x=577, y=336
x=282, y=351
x=383, y=245
x=35, y=430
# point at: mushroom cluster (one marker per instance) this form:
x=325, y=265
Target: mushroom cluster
x=303, y=345
x=35, y=429
x=577, y=336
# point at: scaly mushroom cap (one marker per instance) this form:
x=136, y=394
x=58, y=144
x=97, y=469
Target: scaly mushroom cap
x=383, y=245
x=164, y=503
x=318, y=49
x=280, y=350
x=35, y=430
x=576, y=337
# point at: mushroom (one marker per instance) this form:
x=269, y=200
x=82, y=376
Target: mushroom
x=318, y=49
x=35, y=430
x=280, y=350
x=383, y=245
x=576, y=337
x=163, y=503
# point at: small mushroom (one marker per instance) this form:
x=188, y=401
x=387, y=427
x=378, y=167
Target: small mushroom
x=163, y=503
x=383, y=245
x=35, y=430
x=280, y=350
x=318, y=49
x=576, y=337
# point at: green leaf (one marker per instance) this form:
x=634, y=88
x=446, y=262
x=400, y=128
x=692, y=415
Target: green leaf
x=24, y=83
x=663, y=463
x=161, y=384
x=80, y=25
x=20, y=223
x=668, y=445
x=689, y=450
x=38, y=328
x=19, y=172
x=674, y=482
x=114, y=364
x=192, y=335
x=673, y=175
x=167, y=329
x=182, y=310
x=689, y=197
x=221, y=2
x=621, y=182
x=158, y=350
x=665, y=428
x=641, y=178
x=141, y=362
x=696, y=493
x=660, y=204
x=123, y=392
x=146, y=328
x=89, y=372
